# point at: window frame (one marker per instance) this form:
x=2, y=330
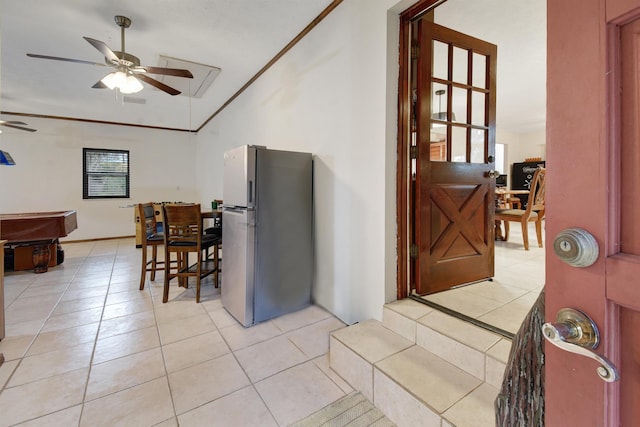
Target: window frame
x=87, y=174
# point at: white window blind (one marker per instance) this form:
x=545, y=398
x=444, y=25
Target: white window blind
x=105, y=174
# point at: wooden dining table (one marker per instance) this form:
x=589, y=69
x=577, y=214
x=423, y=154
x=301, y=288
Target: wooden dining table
x=502, y=194
x=210, y=214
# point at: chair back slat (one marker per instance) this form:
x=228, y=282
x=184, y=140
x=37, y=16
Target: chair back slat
x=537, y=192
x=147, y=214
x=184, y=235
x=183, y=223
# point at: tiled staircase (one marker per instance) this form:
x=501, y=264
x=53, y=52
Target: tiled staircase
x=422, y=367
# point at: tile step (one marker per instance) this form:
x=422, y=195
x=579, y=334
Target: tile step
x=477, y=351
x=422, y=367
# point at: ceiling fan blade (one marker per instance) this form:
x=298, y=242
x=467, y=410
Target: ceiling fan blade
x=17, y=127
x=57, y=58
x=104, y=49
x=159, y=85
x=11, y=122
x=165, y=71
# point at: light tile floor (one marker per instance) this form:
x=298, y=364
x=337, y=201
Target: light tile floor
x=505, y=301
x=85, y=347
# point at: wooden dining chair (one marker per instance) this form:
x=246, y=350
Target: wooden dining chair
x=149, y=237
x=534, y=211
x=513, y=202
x=183, y=234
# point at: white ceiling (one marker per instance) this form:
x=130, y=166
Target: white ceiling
x=238, y=36
x=519, y=29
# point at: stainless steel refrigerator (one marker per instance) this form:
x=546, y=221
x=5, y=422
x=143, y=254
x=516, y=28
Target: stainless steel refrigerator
x=267, y=243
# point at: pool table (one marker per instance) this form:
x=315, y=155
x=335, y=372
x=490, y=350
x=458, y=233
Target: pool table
x=39, y=230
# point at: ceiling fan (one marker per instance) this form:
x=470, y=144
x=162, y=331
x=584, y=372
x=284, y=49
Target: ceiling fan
x=128, y=71
x=16, y=125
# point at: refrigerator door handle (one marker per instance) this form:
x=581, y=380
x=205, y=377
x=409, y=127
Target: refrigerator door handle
x=232, y=208
x=250, y=192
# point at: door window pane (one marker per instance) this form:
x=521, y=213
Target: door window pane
x=438, y=143
x=458, y=144
x=479, y=71
x=438, y=151
x=458, y=109
x=440, y=60
x=478, y=104
x=439, y=103
x=477, y=145
x=459, y=105
x=460, y=65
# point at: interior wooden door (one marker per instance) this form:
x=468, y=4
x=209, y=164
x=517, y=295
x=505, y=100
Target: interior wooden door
x=454, y=81
x=593, y=132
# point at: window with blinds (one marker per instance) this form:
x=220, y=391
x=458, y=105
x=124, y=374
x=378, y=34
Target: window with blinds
x=105, y=174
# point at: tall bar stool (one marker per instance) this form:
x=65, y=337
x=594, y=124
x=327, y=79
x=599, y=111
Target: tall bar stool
x=149, y=238
x=183, y=234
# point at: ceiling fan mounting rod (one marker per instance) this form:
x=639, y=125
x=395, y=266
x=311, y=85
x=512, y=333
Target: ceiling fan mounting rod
x=123, y=22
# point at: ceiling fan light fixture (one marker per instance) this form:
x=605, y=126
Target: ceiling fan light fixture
x=110, y=80
x=131, y=85
x=126, y=84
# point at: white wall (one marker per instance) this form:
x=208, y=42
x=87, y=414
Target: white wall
x=334, y=95
x=48, y=172
x=533, y=144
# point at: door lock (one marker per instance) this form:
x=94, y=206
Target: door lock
x=492, y=174
x=576, y=247
x=575, y=332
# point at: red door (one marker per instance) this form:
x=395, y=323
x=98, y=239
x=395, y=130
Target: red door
x=593, y=149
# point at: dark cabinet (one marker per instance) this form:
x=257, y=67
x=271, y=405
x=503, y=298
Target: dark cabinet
x=521, y=176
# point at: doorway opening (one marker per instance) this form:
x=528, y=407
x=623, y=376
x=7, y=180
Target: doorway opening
x=519, y=32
